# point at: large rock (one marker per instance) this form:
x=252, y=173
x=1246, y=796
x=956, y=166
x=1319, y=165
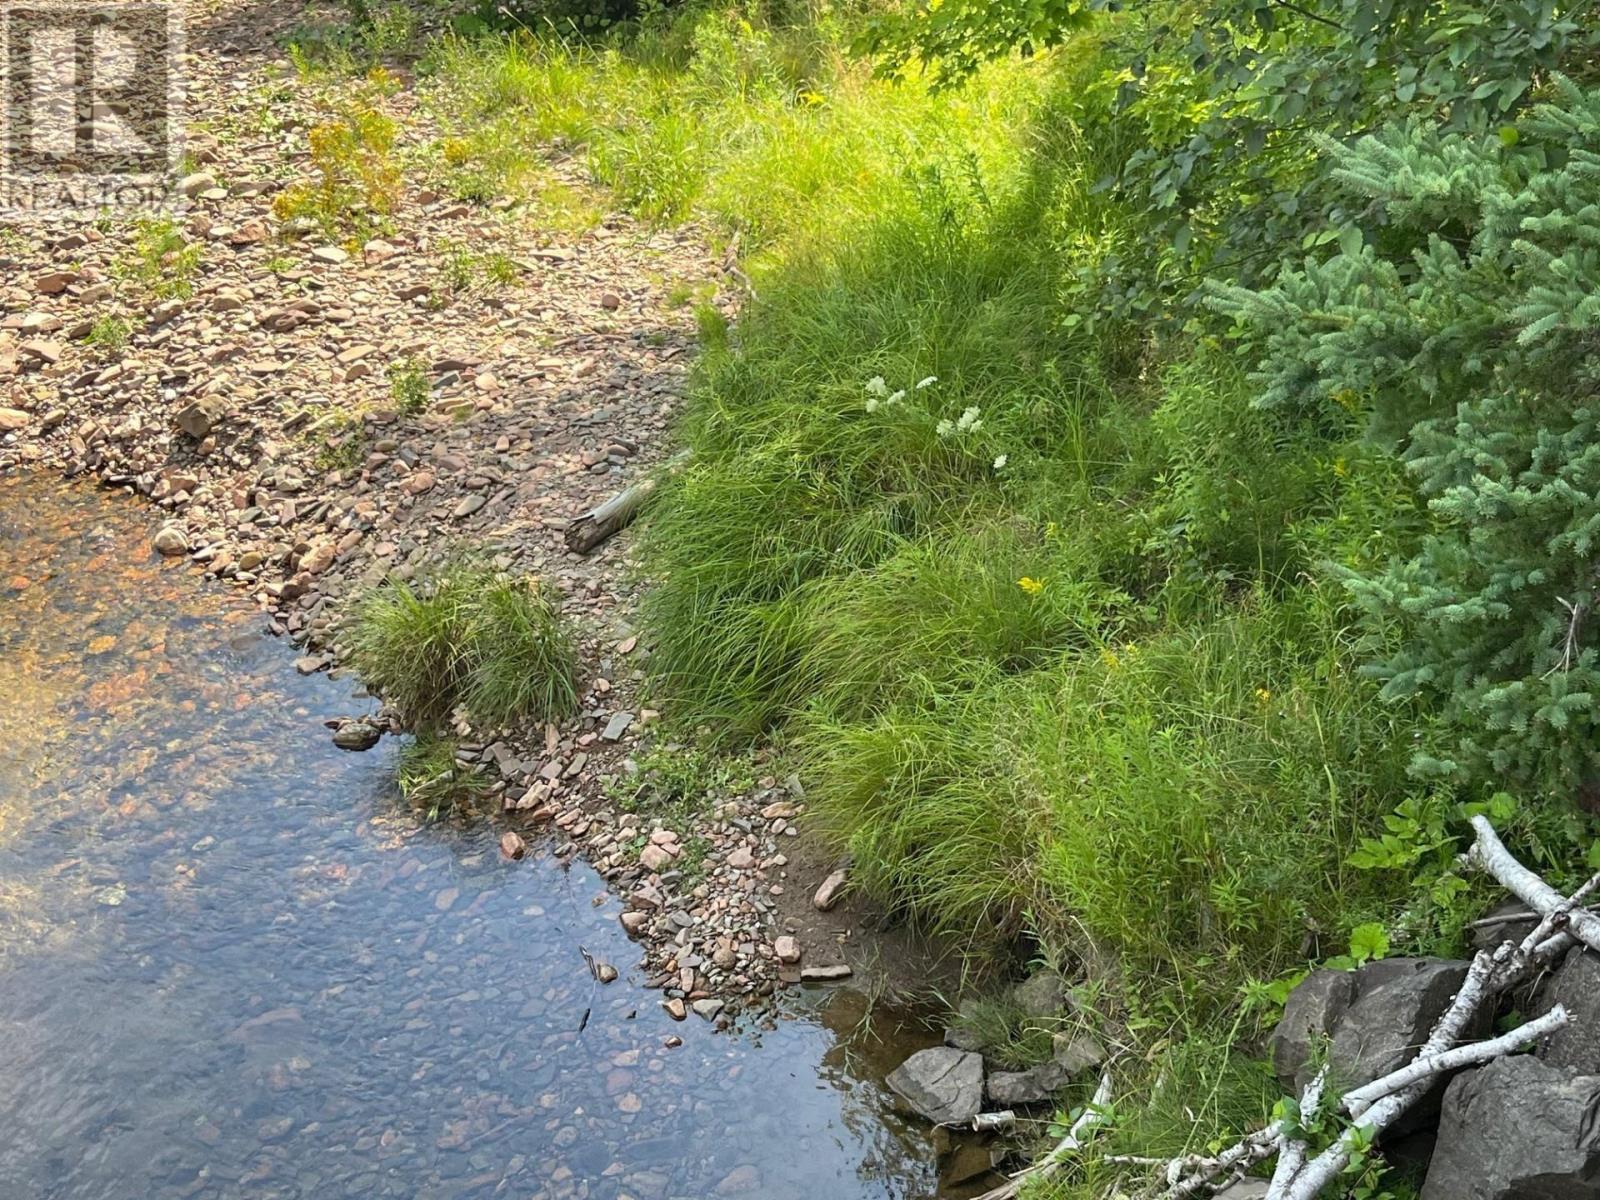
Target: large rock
x=1076, y=1054
x=941, y=1084
x=1041, y=995
x=200, y=417
x=1013, y=1089
x=1576, y=985
x=1518, y=1129
x=1309, y=1015
x=1397, y=1003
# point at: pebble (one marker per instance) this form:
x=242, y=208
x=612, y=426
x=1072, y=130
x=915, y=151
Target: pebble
x=170, y=540
x=829, y=892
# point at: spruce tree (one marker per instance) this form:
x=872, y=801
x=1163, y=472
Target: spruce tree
x=1464, y=310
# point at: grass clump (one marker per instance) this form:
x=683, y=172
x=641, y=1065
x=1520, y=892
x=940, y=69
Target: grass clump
x=677, y=783
x=108, y=335
x=429, y=776
x=409, y=387
x=1005, y=1033
x=469, y=637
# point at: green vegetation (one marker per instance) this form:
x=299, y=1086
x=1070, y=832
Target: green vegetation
x=1154, y=492
x=467, y=636
x=409, y=386
x=678, y=783
x=429, y=776
x=163, y=262
x=108, y=334
x=356, y=180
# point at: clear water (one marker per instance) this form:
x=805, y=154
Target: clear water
x=233, y=963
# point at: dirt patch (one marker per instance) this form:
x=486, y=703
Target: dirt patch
x=887, y=955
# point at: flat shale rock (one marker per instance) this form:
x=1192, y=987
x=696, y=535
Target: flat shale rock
x=941, y=1084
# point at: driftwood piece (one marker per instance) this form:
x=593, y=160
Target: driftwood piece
x=1377, y=1105
x=594, y=528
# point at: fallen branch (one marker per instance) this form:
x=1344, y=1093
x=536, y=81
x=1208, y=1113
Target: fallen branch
x=1490, y=854
x=1363, y=1098
x=605, y=521
x=1094, y=1114
x=1192, y=1174
x=1378, y=1104
x=1292, y=1157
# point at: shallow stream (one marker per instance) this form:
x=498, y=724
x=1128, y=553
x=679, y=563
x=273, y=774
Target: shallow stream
x=234, y=964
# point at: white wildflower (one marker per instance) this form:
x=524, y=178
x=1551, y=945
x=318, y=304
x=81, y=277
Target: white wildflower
x=872, y=404
x=877, y=387
x=897, y=397
x=1000, y=462
x=928, y=382
x=944, y=429
x=969, y=422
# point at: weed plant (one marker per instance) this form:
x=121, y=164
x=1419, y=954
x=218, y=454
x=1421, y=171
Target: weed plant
x=467, y=636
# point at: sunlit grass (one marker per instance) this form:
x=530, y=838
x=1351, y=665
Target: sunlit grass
x=467, y=636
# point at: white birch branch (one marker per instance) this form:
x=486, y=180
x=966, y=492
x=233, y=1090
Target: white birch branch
x=1359, y=1101
x=1292, y=1155
x=1380, y=1103
x=1490, y=853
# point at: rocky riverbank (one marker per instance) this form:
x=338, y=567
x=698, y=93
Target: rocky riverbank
x=309, y=416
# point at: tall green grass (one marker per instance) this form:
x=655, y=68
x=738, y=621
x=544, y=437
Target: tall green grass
x=1037, y=597
x=1052, y=633
x=469, y=636
x=773, y=131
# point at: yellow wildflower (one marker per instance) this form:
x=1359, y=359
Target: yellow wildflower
x=1030, y=585
x=1263, y=694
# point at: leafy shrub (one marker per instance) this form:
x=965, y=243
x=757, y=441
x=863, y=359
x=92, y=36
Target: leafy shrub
x=357, y=180
x=409, y=386
x=470, y=637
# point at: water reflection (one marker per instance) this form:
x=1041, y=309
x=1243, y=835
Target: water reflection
x=232, y=965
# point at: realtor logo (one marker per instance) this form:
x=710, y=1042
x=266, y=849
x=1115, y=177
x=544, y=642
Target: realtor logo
x=90, y=121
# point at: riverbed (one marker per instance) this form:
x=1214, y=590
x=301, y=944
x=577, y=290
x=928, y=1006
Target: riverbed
x=233, y=963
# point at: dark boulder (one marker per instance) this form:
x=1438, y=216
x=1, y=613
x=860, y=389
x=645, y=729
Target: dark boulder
x=1077, y=1054
x=1575, y=985
x=1518, y=1129
x=1398, y=1001
x=1014, y=1089
x=1309, y=1015
x=1042, y=995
